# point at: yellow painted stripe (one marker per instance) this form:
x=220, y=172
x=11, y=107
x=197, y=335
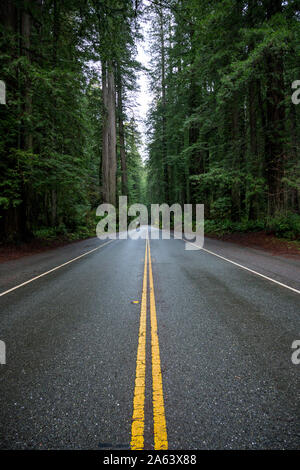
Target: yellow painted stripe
x=159, y=419
x=138, y=417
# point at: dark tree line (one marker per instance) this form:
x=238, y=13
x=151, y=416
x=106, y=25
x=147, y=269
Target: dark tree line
x=223, y=130
x=66, y=138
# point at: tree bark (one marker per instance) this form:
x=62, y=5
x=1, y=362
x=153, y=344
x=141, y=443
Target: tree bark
x=166, y=169
x=123, y=156
x=109, y=138
x=27, y=139
x=56, y=31
x=9, y=218
x=275, y=121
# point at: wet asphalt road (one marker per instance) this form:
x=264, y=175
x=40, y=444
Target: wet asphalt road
x=225, y=339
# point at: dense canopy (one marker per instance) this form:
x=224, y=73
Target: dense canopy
x=223, y=129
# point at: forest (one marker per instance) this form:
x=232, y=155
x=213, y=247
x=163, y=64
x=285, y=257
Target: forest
x=222, y=128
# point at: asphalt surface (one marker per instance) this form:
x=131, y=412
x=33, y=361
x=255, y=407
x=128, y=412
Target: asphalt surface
x=225, y=339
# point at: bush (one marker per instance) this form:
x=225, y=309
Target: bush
x=285, y=226
x=221, y=208
x=45, y=233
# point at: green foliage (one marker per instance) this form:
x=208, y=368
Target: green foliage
x=135, y=167
x=222, y=128
x=285, y=226
x=51, y=127
x=224, y=226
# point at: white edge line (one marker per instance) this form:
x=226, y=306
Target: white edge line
x=243, y=267
x=54, y=269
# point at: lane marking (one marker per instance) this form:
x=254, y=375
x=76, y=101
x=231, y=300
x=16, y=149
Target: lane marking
x=54, y=269
x=159, y=418
x=138, y=416
x=244, y=267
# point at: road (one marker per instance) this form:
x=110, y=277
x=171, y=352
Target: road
x=88, y=369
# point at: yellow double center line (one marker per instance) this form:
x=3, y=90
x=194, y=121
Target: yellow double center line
x=138, y=418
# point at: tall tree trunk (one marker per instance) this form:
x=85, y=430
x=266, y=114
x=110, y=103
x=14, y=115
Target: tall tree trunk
x=196, y=157
x=109, y=138
x=27, y=204
x=294, y=156
x=26, y=30
x=122, y=136
x=9, y=16
x=275, y=120
x=55, y=29
x=253, y=163
x=104, y=160
x=166, y=169
x=236, y=161
x=254, y=85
